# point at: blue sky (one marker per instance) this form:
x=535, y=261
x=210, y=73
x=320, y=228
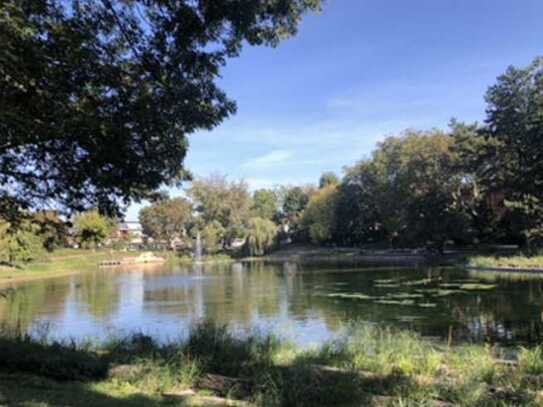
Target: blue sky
x=356, y=72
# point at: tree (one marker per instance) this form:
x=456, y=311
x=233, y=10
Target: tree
x=295, y=200
x=512, y=162
x=166, y=219
x=411, y=189
x=261, y=235
x=51, y=228
x=265, y=204
x=217, y=199
x=358, y=218
x=92, y=229
x=320, y=215
x=213, y=235
x=97, y=97
x=479, y=200
x=328, y=178
x=19, y=244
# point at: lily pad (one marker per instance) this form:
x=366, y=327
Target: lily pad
x=477, y=287
x=395, y=302
x=424, y=281
x=400, y=296
x=387, y=285
x=351, y=296
x=427, y=305
x=450, y=285
x=410, y=318
x=385, y=281
x=438, y=292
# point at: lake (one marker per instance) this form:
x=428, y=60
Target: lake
x=305, y=303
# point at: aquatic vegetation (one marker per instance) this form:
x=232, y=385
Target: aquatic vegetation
x=410, y=318
x=350, y=296
x=395, y=302
x=438, y=292
x=391, y=285
x=404, y=295
x=477, y=287
x=451, y=285
x=424, y=281
x=385, y=281
x=427, y=304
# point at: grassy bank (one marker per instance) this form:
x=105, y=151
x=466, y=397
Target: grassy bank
x=69, y=261
x=369, y=366
x=520, y=262
x=59, y=263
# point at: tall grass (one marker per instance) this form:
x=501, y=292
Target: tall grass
x=367, y=361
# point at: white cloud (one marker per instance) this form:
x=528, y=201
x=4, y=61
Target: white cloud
x=268, y=160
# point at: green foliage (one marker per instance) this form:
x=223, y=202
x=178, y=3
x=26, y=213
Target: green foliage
x=218, y=200
x=406, y=193
x=92, y=229
x=531, y=360
x=294, y=201
x=505, y=157
x=320, y=214
x=328, y=178
x=97, y=98
x=260, y=237
x=388, y=350
x=20, y=243
x=213, y=237
x=265, y=204
x=51, y=229
x=166, y=219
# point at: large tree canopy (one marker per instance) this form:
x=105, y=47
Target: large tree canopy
x=505, y=157
x=97, y=96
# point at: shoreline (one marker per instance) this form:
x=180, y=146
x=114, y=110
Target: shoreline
x=76, y=261
x=213, y=365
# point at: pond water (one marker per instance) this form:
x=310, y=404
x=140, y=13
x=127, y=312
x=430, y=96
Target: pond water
x=305, y=303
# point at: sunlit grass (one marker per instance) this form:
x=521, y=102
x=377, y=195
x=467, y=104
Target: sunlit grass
x=523, y=262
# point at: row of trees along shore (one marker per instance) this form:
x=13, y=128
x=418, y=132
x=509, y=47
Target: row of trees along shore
x=473, y=183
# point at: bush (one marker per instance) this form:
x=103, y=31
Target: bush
x=58, y=361
x=21, y=244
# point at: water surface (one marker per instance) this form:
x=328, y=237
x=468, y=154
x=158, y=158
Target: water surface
x=308, y=304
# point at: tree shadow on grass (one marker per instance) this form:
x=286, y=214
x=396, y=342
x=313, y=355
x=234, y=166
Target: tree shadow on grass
x=323, y=383
x=28, y=390
x=33, y=373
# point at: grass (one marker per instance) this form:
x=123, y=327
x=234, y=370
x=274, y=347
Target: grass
x=521, y=262
x=68, y=261
x=59, y=263
x=369, y=365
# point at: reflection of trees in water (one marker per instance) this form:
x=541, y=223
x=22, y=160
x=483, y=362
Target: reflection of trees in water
x=22, y=307
x=247, y=293
x=224, y=293
x=100, y=291
x=511, y=311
